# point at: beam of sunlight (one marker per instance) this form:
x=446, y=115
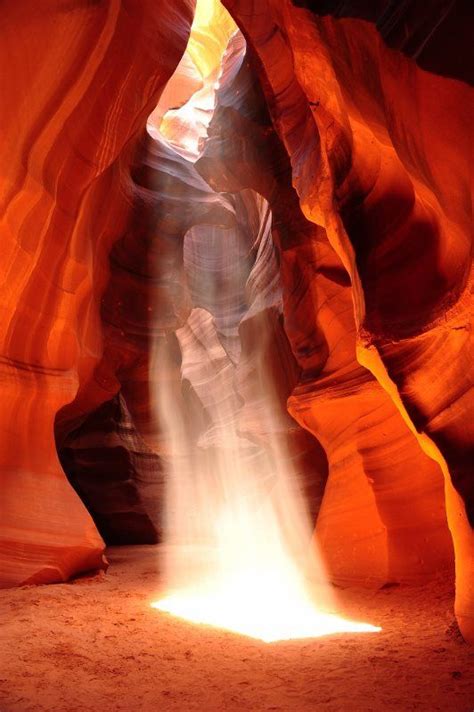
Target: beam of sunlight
x=239, y=551
x=238, y=532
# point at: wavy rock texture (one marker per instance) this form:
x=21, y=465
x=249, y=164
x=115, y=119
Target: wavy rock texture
x=146, y=297
x=366, y=531
x=375, y=115
x=184, y=121
x=117, y=476
x=190, y=247
x=235, y=354
x=81, y=80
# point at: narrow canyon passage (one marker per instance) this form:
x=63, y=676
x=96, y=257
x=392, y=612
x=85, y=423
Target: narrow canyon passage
x=237, y=525
x=236, y=432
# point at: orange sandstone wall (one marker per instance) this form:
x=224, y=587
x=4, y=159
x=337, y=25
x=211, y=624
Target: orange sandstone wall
x=374, y=107
x=78, y=81
x=367, y=532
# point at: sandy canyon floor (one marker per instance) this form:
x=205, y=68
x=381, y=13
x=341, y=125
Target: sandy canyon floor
x=96, y=645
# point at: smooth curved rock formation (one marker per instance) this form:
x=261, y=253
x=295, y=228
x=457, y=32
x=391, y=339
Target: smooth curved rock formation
x=117, y=476
x=365, y=529
x=79, y=81
x=379, y=145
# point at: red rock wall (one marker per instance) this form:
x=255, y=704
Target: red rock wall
x=366, y=531
x=78, y=82
x=380, y=157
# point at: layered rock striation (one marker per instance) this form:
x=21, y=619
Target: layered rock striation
x=374, y=114
x=78, y=83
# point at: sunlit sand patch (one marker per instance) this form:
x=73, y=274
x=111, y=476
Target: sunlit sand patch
x=259, y=605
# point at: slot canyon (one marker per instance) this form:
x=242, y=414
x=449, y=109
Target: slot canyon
x=237, y=415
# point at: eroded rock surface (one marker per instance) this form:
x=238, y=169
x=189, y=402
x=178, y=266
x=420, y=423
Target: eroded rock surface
x=117, y=476
x=376, y=123
x=78, y=83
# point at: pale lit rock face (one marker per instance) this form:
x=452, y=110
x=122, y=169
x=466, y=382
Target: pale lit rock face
x=374, y=109
x=235, y=354
x=215, y=49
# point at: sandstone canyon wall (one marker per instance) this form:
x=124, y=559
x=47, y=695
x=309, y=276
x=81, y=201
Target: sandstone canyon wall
x=364, y=528
x=77, y=85
x=356, y=135
x=373, y=105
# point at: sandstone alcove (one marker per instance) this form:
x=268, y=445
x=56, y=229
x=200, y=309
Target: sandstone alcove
x=236, y=311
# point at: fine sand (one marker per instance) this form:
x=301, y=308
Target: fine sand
x=96, y=645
